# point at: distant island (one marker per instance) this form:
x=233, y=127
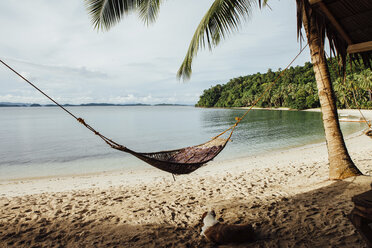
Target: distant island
x=168, y=104
x=11, y=104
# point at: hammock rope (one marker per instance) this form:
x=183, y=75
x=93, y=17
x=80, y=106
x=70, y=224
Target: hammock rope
x=368, y=123
x=180, y=161
x=107, y=140
x=239, y=119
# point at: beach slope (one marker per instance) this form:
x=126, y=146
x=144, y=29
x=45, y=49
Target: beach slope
x=285, y=195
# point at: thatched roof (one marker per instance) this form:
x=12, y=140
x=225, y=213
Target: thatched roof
x=353, y=18
x=347, y=24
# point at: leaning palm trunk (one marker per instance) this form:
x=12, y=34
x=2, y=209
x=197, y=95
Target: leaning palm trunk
x=340, y=164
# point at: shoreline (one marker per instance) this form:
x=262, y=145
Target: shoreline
x=285, y=195
x=95, y=179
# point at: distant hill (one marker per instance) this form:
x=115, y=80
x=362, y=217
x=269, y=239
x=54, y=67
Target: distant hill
x=169, y=104
x=14, y=104
x=112, y=104
x=9, y=104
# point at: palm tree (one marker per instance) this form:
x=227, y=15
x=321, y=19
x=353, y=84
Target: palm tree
x=341, y=92
x=224, y=17
x=365, y=79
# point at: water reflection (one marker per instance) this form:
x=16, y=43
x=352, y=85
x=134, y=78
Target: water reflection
x=49, y=139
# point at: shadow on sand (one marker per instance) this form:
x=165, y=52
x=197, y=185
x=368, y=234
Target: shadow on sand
x=316, y=218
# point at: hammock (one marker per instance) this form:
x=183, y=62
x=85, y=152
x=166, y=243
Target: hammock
x=177, y=162
x=180, y=161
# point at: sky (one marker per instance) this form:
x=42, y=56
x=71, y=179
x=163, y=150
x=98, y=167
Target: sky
x=54, y=45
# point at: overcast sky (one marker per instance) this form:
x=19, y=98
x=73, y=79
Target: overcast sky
x=53, y=44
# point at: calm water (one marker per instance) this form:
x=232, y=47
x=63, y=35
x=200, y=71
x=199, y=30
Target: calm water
x=46, y=141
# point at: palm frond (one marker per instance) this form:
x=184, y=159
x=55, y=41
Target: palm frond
x=148, y=10
x=106, y=13
x=222, y=18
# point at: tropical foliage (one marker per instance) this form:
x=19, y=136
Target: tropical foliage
x=296, y=89
x=222, y=18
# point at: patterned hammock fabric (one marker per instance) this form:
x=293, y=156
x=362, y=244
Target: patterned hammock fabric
x=181, y=161
x=369, y=133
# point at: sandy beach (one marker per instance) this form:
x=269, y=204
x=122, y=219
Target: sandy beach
x=285, y=195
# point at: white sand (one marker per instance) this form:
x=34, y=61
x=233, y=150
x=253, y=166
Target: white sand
x=286, y=195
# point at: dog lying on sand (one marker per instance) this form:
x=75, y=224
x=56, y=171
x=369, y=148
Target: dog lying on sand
x=220, y=233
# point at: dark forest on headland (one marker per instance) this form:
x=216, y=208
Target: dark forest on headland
x=296, y=89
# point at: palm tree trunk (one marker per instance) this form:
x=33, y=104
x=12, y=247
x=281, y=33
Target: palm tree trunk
x=346, y=103
x=340, y=164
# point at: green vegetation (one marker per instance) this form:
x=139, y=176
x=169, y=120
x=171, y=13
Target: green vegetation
x=296, y=89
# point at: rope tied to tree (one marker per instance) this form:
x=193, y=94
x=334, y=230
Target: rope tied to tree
x=239, y=119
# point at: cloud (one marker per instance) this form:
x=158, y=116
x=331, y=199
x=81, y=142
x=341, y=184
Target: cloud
x=55, y=69
x=60, y=52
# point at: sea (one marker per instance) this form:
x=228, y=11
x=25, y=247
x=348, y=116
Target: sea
x=45, y=141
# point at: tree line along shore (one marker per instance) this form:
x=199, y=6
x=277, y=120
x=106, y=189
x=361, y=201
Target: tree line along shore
x=295, y=89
